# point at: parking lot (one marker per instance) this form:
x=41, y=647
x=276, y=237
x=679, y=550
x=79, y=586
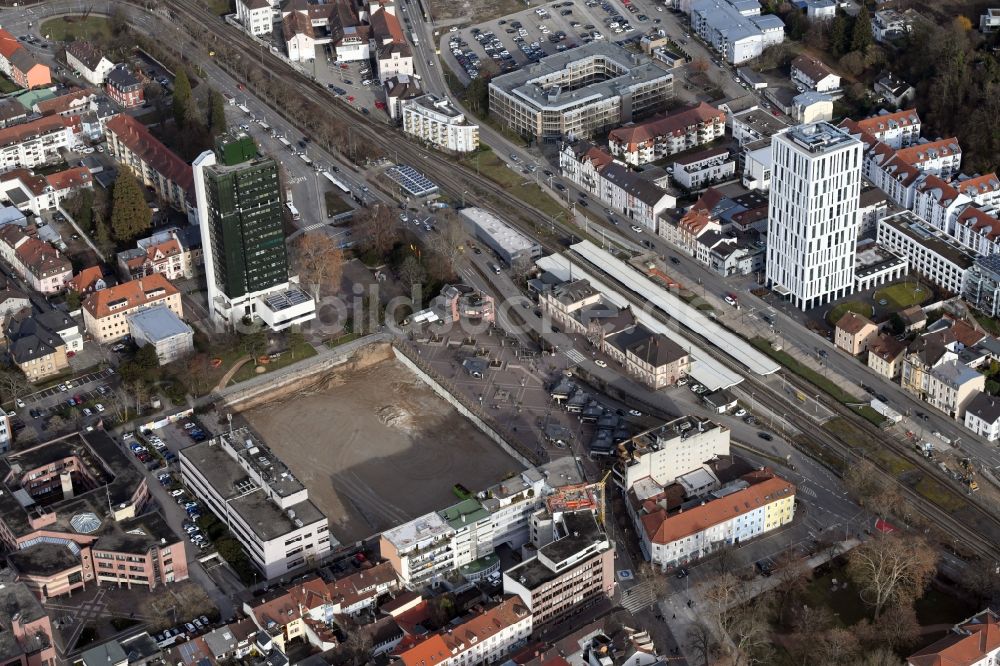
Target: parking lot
x=527, y=36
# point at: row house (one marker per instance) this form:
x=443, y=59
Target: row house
x=636, y=198
x=648, y=141
x=42, y=266
x=156, y=166
x=978, y=230
x=984, y=190
x=938, y=202
x=942, y=343
x=36, y=193
x=482, y=638
x=951, y=386
x=35, y=143
x=19, y=65
x=896, y=129
x=749, y=507
x=166, y=258
x=88, y=59
x=72, y=104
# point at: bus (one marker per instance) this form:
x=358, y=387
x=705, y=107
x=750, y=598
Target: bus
x=336, y=181
x=294, y=211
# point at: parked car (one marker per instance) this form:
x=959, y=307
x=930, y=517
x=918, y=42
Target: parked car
x=635, y=412
x=600, y=363
x=177, y=493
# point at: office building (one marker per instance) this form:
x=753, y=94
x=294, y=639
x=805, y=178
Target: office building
x=158, y=326
x=434, y=120
x=929, y=252
x=27, y=638
x=813, y=214
x=579, y=93
x=243, y=239
x=265, y=507
x=575, y=569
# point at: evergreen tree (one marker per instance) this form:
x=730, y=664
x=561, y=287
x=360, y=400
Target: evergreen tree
x=182, y=97
x=130, y=216
x=838, y=33
x=216, y=113
x=861, y=36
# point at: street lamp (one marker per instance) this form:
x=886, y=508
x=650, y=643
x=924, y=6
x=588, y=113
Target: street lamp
x=464, y=192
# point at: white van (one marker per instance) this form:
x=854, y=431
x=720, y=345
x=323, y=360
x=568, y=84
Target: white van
x=495, y=268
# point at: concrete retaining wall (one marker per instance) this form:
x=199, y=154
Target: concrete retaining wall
x=462, y=409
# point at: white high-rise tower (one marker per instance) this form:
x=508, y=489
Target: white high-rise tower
x=813, y=213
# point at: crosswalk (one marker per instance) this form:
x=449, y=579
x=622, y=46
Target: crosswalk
x=575, y=356
x=637, y=598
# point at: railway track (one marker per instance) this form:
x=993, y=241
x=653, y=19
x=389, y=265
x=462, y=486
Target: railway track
x=457, y=179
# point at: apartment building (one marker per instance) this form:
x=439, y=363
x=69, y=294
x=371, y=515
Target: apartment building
x=73, y=515
x=697, y=171
x=166, y=332
x=934, y=255
x=420, y=550
x=813, y=214
x=977, y=230
x=898, y=172
x=19, y=65
x=35, y=143
x=735, y=513
x=482, y=638
x=982, y=285
x=106, y=312
x=434, y=120
x=814, y=75
x=636, y=197
x=166, y=257
x=941, y=343
x=155, y=165
x=36, y=193
x=982, y=416
x=951, y=387
x=735, y=29
x=36, y=344
x=256, y=16
x=896, y=129
x=668, y=451
x=43, y=267
x=579, y=93
x=574, y=570
x=86, y=58
x=124, y=87
x=659, y=137
x=983, y=189
x=885, y=355
x=938, y=202
x=266, y=508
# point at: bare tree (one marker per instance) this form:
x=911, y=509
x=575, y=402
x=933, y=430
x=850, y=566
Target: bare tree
x=834, y=646
x=702, y=642
x=792, y=574
x=450, y=238
x=655, y=579
x=890, y=569
x=879, y=656
x=13, y=385
x=750, y=631
x=118, y=404
x=898, y=629
x=379, y=227
x=411, y=272
x=320, y=263
x=869, y=486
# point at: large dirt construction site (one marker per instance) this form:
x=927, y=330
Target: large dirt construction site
x=376, y=447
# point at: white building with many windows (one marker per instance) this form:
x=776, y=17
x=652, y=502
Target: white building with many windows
x=434, y=120
x=736, y=28
x=667, y=451
x=256, y=16
x=813, y=213
x=265, y=508
x=931, y=253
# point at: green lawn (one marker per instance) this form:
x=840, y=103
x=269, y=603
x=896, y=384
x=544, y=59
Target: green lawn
x=7, y=86
x=219, y=7
x=335, y=204
x=76, y=27
x=516, y=183
x=812, y=376
x=903, y=295
x=839, y=310
x=934, y=490
x=248, y=371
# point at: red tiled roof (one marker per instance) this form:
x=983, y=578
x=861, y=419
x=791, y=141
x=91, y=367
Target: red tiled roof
x=980, y=222
x=8, y=44
x=147, y=148
x=886, y=121
x=945, y=193
x=70, y=178
x=674, y=124
x=663, y=529
x=922, y=152
x=293, y=603
x=969, y=644
x=64, y=103
x=979, y=185
x=19, y=133
x=37, y=256
x=84, y=280
x=134, y=294
x=853, y=323
x=386, y=27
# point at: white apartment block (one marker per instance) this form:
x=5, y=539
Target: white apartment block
x=702, y=169
x=265, y=508
x=757, y=166
x=978, y=230
x=813, y=214
x=896, y=129
x=434, y=120
x=938, y=203
x=654, y=139
x=736, y=28
x=931, y=253
x=256, y=16
x=982, y=416
x=730, y=516
x=35, y=143
x=670, y=450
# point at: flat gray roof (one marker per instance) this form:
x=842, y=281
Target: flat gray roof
x=159, y=323
x=538, y=83
x=926, y=236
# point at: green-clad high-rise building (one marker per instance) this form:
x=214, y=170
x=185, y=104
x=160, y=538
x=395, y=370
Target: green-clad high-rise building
x=240, y=212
